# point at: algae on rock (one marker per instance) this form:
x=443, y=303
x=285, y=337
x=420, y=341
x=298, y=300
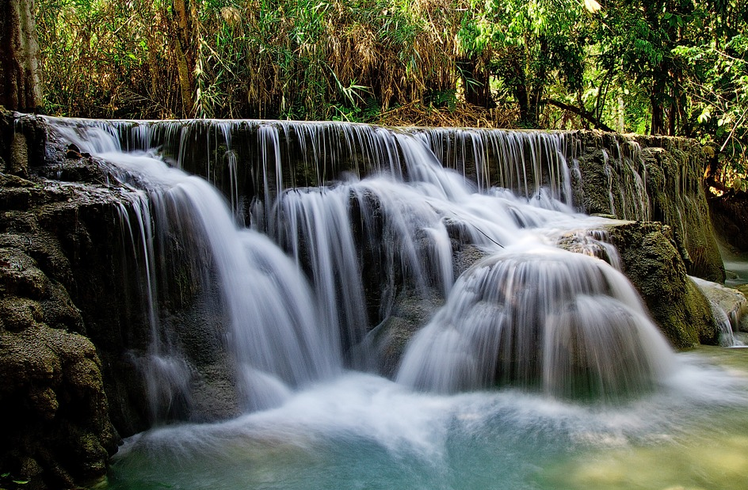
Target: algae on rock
x=54, y=412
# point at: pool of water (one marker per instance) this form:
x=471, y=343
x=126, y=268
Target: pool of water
x=365, y=432
x=736, y=268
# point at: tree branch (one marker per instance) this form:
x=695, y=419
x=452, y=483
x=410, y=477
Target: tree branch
x=579, y=112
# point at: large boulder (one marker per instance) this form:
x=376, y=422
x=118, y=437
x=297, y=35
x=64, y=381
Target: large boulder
x=729, y=306
x=54, y=413
x=649, y=258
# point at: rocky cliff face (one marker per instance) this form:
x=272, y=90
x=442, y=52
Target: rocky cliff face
x=71, y=321
x=652, y=179
x=61, y=317
x=74, y=330
x=650, y=259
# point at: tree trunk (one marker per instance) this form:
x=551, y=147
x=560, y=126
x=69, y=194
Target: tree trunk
x=537, y=87
x=20, y=82
x=513, y=73
x=185, y=53
x=476, y=82
x=520, y=94
x=658, y=117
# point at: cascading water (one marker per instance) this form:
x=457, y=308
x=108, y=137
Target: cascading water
x=275, y=333
x=534, y=315
x=323, y=263
x=520, y=316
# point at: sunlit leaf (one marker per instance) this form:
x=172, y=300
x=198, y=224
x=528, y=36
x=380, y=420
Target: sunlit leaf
x=592, y=5
x=705, y=115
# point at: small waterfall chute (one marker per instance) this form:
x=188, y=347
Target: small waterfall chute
x=545, y=319
x=275, y=331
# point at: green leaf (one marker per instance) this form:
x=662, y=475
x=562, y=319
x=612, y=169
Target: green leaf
x=705, y=115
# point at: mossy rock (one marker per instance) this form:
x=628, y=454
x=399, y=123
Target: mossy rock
x=731, y=301
x=651, y=179
x=53, y=409
x=17, y=314
x=652, y=263
x=19, y=275
x=411, y=311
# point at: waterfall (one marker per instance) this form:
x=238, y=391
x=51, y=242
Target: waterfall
x=728, y=308
x=538, y=316
x=322, y=225
x=276, y=334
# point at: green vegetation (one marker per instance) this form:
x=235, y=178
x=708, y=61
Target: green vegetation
x=300, y=59
x=675, y=67
x=8, y=481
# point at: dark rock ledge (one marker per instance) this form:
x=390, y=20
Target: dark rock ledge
x=55, y=426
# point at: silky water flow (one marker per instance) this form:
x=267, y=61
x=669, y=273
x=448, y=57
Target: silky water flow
x=540, y=369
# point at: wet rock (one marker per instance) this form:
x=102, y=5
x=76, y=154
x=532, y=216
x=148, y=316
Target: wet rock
x=214, y=393
x=651, y=179
x=652, y=263
x=412, y=308
x=53, y=386
x=74, y=152
x=16, y=314
x=58, y=310
x=22, y=142
x=732, y=302
x=19, y=276
x=595, y=243
x=464, y=256
x=411, y=311
x=54, y=413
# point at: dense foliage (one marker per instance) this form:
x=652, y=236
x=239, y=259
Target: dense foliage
x=677, y=67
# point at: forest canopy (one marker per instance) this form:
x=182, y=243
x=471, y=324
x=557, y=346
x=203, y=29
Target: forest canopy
x=671, y=67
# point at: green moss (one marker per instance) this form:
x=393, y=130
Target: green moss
x=20, y=276
x=17, y=314
x=26, y=360
x=43, y=401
